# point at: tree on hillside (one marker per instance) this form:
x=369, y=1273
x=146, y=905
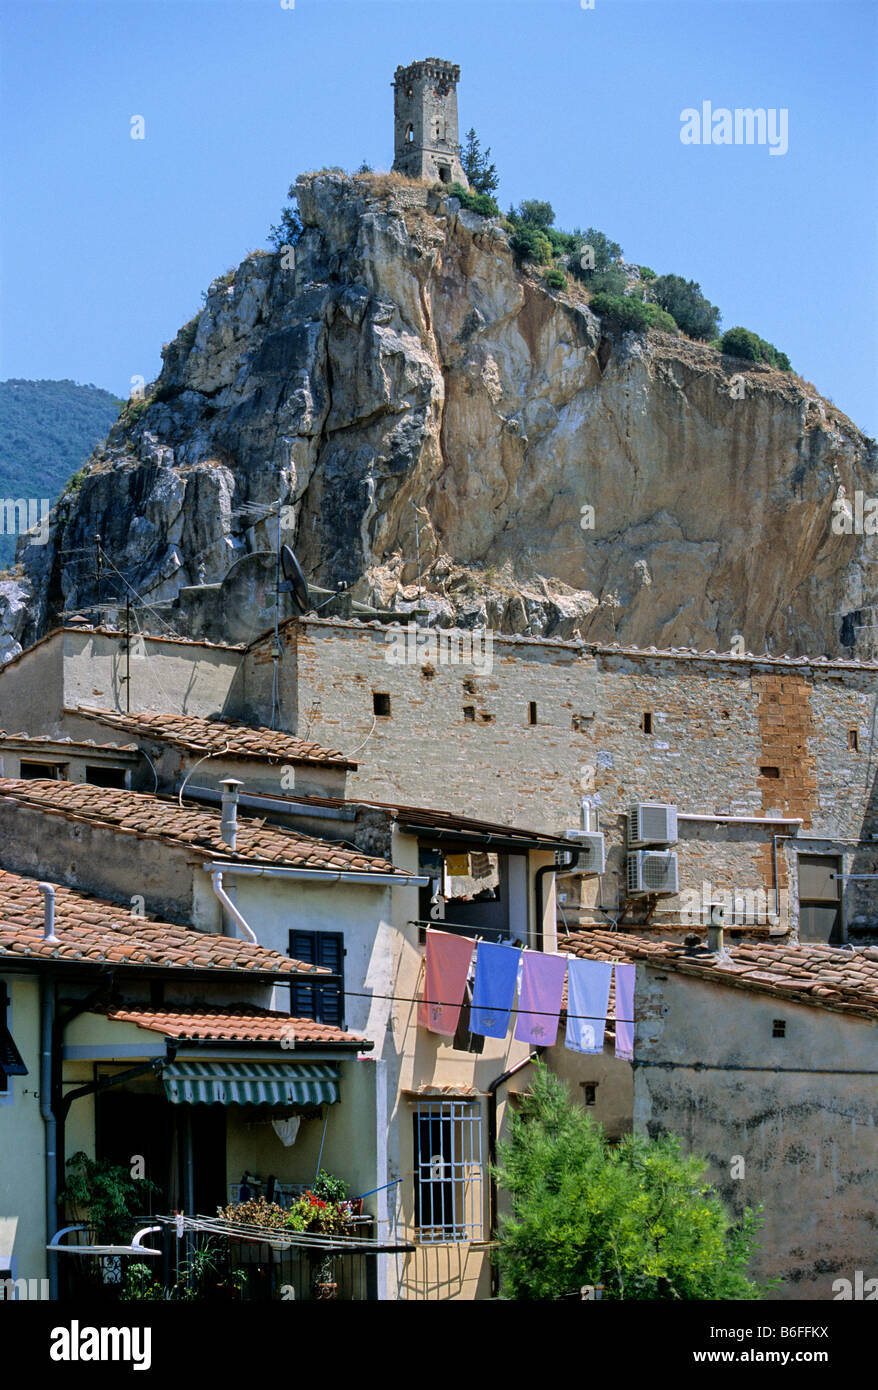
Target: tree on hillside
x=605, y=250
x=684, y=301
x=533, y=212
x=638, y=1217
x=480, y=172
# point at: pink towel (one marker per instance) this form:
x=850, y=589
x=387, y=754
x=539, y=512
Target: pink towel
x=625, y=1011
x=448, y=962
x=539, y=1003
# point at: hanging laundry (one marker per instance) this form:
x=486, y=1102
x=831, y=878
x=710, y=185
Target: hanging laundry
x=539, y=1000
x=625, y=1011
x=286, y=1130
x=447, y=966
x=494, y=989
x=479, y=864
x=457, y=865
x=588, y=997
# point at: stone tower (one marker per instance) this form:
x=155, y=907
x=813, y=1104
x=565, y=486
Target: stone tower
x=425, y=137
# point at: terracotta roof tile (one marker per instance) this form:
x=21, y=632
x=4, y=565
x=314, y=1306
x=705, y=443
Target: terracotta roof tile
x=200, y=735
x=829, y=976
x=198, y=829
x=93, y=929
x=236, y=1023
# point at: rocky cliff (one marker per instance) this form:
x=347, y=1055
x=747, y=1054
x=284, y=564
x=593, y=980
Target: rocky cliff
x=406, y=371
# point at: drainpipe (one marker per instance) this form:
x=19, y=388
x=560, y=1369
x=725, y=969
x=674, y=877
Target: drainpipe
x=229, y=826
x=538, y=890
x=493, y=1088
x=216, y=879
x=47, y=1028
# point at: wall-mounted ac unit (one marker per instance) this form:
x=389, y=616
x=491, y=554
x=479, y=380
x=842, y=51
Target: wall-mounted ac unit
x=652, y=871
x=652, y=823
x=590, y=854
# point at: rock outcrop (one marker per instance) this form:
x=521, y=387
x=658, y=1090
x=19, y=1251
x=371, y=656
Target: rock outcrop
x=410, y=394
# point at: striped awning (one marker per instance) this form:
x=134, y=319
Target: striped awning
x=251, y=1083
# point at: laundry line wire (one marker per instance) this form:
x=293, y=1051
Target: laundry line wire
x=458, y=1003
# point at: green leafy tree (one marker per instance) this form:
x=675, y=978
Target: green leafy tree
x=533, y=213
x=638, y=1217
x=740, y=342
x=287, y=231
x=594, y=254
x=482, y=203
x=531, y=244
x=477, y=166
x=556, y=279
x=659, y=318
x=621, y=310
x=607, y=282
x=683, y=300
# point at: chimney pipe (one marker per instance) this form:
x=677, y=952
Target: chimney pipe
x=715, y=938
x=229, y=827
x=48, y=892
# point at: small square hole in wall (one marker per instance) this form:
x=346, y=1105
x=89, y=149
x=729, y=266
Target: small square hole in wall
x=854, y=740
x=590, y=1092
x=769, y=772
x=646, y=722
x=380, y=704
x=778, y=1027
x=469, y=713
x=532, y=712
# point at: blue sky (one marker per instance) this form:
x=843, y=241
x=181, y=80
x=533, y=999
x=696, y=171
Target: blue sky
x=106, y=242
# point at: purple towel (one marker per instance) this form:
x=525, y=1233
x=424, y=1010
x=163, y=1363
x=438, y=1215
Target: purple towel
x=493, y=989
x=625, y=1011
x=539, y=1003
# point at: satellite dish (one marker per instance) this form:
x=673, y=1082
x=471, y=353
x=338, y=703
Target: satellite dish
x=296, y=579
x=717, y=915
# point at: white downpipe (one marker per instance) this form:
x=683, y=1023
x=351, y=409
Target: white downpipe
x=321, y=875
x=216, y=879
x=744, y=820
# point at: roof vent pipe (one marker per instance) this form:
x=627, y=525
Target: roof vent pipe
x=229, y=827
x=48, y=892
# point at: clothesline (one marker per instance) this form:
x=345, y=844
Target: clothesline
x=539, y=978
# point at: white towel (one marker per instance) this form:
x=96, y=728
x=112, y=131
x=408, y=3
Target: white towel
x=588, y=996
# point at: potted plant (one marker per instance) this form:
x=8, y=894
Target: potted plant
x=105, y=1197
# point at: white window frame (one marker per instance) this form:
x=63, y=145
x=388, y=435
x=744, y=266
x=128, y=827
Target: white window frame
x=451, y=1180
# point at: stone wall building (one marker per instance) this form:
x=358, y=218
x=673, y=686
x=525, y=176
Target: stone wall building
x=762, y=1059
x=425, y=135
x=770, y=762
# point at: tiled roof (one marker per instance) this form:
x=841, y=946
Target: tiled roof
x=243, y=1023
x=65, y=741
x=418, y=817
x=93, y=931
x=200, y=735
x=825, y=976
x=153, y=817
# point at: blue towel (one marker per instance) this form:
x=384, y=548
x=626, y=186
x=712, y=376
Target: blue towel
x=493, y=989
x=588, y=997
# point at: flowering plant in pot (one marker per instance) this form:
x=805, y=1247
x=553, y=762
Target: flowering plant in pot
x=313, y=1213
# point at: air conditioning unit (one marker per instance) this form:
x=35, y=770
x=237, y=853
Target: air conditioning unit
x=652, y=871
x=652, y=823
x=590, y=857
